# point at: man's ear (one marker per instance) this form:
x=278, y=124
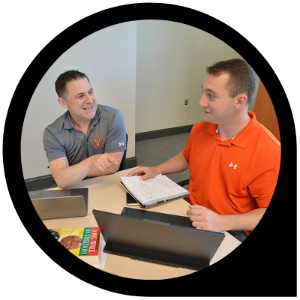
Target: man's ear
x=62, y=102
x=242, y=100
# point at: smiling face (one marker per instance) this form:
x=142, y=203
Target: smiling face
x=218, y=107
x=80, y=101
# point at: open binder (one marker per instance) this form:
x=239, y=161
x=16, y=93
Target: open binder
x=154, y=191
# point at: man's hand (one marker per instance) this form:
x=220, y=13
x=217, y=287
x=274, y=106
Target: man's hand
x=207, y=219
x=103, y=161
x=145, y=172
x=96, y=165
x=175, y=164
x=204, y=218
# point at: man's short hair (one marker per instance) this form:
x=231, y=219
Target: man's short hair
x=242, y=76
x=61, y=81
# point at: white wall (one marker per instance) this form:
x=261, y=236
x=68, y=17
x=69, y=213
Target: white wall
x=146, y=69
x=108, y=58
x=171, y=63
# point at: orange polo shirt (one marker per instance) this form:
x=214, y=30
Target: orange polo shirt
x=233, y=176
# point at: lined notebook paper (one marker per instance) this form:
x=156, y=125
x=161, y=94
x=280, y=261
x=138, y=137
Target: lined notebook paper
x=157, y=190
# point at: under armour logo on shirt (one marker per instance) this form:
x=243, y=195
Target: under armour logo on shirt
x=121, y=144
x=232, y=165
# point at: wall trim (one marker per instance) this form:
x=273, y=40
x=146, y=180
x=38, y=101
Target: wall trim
x=162, y=132
x=130, y=162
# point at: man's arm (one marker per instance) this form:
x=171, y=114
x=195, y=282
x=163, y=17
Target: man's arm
x=207, y=219
x=176, y=164
x=114, y=160
x=96, y=165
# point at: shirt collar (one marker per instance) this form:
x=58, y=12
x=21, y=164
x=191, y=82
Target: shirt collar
x=69, y=125
x=245, y=137
x=96, y=119
x=67, y=121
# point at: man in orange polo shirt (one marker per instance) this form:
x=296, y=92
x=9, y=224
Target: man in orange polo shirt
x=234, y=161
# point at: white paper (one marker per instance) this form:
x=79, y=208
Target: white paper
x=102, y=255
x=157, y=188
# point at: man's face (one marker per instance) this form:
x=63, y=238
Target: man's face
x=69, y=243
x=80, y=100
x=218, y=107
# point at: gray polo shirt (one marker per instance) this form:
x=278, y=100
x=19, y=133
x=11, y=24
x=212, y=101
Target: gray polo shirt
x=106, y=133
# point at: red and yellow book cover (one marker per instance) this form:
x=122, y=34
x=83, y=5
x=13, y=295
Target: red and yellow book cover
x=79, y=241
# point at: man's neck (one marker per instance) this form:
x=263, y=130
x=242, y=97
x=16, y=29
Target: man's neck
x=231, y=129
x=82, y=126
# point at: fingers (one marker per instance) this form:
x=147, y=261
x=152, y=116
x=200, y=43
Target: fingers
x=104, y=161
x=144, y=172
x=136, y=172
x=195, y=209
x=111, y=159
x=147, y=176
x=196, y=216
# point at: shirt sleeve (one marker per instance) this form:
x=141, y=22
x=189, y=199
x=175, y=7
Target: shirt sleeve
x=54, y=149
x=262, y=187
x=187, y=150
x=116, y=137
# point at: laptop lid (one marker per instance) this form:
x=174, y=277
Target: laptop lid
x=157, y=241
x=57, y=204
x=156, y=216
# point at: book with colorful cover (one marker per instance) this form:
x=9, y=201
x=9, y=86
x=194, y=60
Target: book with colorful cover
x=79, y=241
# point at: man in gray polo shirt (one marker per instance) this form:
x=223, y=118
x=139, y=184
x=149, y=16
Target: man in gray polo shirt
x=89, y=139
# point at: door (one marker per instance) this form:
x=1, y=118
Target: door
x=265, y=112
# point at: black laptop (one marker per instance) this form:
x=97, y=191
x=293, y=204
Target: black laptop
x=158, y=238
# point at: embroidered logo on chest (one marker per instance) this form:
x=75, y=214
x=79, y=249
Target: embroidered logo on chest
x=96, y=141
x=232, y=165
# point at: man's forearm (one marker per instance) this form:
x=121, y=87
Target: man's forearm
x=70, y=175
x=175, y=164
x=205, y=218
x=96, y=165
x=246, y=221
x=95, y=172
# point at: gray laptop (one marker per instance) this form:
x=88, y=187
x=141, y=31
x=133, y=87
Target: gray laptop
x=158, y=238
x=57, y=204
